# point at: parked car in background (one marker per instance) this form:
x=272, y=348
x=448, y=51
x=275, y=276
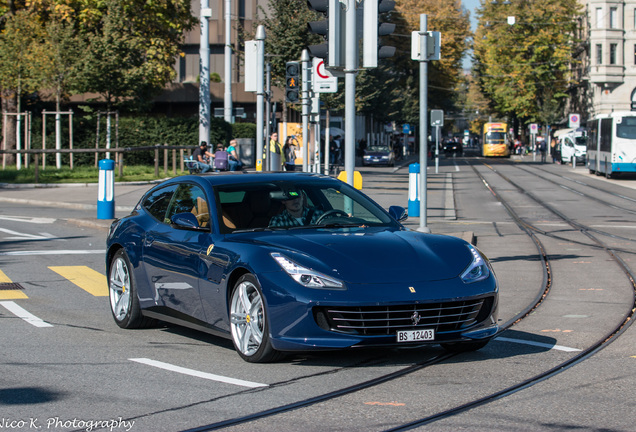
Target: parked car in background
x=378, y=155
x=572, y=143
x=453, y=147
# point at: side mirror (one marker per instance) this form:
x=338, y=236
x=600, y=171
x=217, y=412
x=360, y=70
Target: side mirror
x=398, y=213
x=185, y=220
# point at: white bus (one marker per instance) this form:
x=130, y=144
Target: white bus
x=611, y=147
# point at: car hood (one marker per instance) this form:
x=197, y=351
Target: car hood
x=376, y=153
x=367, y=255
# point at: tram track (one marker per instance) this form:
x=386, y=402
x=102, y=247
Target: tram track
x=575, y=360
x=542, y=294
x=532, y=231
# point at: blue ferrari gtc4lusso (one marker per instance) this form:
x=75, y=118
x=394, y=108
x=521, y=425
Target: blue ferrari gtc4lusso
x=283, y=262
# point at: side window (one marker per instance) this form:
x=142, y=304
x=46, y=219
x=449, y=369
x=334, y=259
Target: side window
x=190, y=198
x=158, y=201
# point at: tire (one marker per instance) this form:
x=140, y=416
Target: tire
x=249, y=322
x=122, y=292
x=460, y=347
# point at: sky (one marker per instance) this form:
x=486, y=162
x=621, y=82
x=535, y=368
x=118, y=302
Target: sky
x=471, y=5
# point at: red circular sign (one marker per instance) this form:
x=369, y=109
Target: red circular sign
x=321, y=75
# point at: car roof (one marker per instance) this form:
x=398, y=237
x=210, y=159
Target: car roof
x=253, y=177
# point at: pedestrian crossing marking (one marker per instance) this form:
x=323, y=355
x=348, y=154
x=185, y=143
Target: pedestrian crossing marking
x=84, y=277
x=10, y=294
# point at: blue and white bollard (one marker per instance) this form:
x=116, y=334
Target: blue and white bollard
x=106, y=190
x=414, y=192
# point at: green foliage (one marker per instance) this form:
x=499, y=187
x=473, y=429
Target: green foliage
x=524, y=67
x=20, y=48
x=85, y=174
x=244, y=130
x=286, y=34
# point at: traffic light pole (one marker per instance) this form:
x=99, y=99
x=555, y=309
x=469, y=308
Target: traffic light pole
x=423, y=122
x=260, y=72
x=305, y=60
x=350, y=88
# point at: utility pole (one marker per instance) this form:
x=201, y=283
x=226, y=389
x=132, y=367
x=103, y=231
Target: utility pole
x=260, y=72
x=351, y=63
x=204, y=72
x=423, y=121
x=227, y=102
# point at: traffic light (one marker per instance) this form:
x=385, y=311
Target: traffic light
x=292, y=84
x=332, y=29
x=373, y=28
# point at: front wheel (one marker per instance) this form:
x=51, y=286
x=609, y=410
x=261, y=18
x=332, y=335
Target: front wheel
x=248, y=322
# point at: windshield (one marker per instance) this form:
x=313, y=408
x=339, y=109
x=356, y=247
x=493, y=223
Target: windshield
x=376, y=148
x=495, y=137
x=626, y=127
x=291, y=205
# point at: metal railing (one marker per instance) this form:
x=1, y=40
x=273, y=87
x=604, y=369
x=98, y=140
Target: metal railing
x=120, y=152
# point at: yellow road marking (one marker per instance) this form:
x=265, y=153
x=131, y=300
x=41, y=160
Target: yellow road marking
x=10, y=294
x=84, y=277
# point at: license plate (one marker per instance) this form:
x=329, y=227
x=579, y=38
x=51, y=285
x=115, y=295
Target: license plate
x=416, y=335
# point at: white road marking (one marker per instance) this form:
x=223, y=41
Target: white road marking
x=23, y=236
x=22, y=313
x=539, y=344
x=53, y=252
x=27, y=219
x=195, y=373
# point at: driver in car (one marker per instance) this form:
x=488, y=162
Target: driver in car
x=296, y=212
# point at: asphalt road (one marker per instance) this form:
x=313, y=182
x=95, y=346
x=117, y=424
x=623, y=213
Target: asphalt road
x=67, y=366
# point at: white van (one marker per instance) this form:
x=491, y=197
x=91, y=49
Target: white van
x=572, y=143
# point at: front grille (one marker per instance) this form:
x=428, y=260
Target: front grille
x=386, y=320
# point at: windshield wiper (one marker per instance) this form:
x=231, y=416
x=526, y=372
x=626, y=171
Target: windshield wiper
x=341, y=225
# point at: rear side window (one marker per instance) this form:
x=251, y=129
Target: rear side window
x=157, y=202
x=189, y=198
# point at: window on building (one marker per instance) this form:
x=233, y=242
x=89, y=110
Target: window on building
x=599, y=54
x=599, y=18
x=613, y=17
x=612, y=53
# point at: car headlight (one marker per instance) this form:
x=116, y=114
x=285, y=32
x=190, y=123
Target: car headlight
x=385, y=157
x=478, y=269
x=306, y=277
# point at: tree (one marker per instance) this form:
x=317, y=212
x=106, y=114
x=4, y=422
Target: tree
x=523, y=66
x=20, y=42
x=61, y=56
x=131, y=48
x=444, y=76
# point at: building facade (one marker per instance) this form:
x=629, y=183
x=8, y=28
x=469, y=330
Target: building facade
x=609, y=63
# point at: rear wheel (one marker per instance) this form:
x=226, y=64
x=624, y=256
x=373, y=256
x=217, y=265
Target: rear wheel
x=124, y=303
x=249, y=322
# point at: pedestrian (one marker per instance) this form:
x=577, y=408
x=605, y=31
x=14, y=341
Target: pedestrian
x=233, y=157
x=276, y=152
x=202, y=157
x=553, y=150
x=542, y=148
x=289, y=150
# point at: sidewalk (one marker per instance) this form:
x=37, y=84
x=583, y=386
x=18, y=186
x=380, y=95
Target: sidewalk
x=386, y=188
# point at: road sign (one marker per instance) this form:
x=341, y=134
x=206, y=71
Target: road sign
x=534, y=128
x=323, y=81
x=575, y=120
x=437, y=118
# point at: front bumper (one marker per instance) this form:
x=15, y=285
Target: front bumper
x=294, y=326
